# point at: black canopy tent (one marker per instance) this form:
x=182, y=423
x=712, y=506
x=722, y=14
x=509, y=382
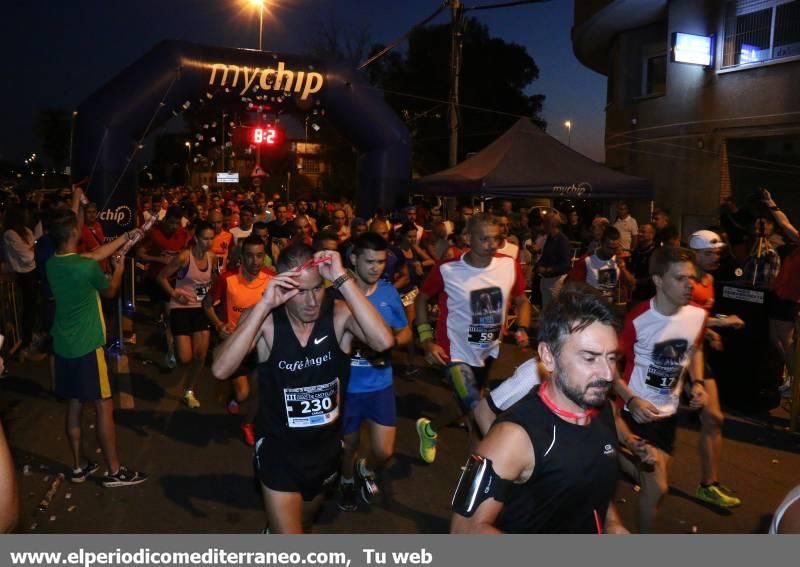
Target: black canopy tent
x=527, y=162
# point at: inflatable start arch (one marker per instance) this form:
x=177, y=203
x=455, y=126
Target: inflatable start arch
x=112, y=123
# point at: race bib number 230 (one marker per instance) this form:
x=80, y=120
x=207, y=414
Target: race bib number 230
x=312, y=406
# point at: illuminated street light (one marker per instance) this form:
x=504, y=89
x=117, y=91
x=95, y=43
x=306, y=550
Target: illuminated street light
x=568, y=125
x=260, y=5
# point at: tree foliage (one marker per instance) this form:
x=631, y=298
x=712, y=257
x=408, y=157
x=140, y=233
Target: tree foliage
x=495, y=76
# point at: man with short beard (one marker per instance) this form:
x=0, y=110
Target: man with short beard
x=548, y=464
x=661, y=340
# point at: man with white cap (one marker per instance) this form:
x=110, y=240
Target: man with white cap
x=708, y=246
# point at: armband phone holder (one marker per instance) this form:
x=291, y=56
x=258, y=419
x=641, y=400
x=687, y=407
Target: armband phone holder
x=478, y=482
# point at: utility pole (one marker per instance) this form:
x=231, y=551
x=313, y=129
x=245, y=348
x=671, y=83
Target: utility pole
x=222, y=139
x=455, y=72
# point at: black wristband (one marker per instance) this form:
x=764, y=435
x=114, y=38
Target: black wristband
x=340, y=281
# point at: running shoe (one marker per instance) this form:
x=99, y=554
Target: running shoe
x=713, y=494
x=81, y=474
x=346, y=499
x=190, y=400
x=366, y=478
x=172, y=363
x=124, y=477
x=233, y=407
x=427, y=442
x=249, y=433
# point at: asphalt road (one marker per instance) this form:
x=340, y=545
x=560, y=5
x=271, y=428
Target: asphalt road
x=201, y=477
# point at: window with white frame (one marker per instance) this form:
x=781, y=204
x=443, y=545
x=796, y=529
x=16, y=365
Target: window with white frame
x=761, y=30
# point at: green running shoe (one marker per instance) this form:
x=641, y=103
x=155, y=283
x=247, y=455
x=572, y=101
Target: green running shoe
x=713, y=494
x=427, y=443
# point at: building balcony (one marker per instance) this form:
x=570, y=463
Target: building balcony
x=598, y=21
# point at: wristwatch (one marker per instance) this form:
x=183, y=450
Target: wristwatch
x=340, y=281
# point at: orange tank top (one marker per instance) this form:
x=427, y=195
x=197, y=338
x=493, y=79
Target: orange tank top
x=241, y=294
x=703, y=293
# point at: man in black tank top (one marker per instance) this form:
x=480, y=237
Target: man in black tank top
x=548, y=465
x=303, y=337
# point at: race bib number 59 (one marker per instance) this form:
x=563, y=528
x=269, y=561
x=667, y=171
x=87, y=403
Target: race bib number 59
x=312, y=406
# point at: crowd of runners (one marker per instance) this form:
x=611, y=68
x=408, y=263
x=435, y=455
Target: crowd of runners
x=301, y=305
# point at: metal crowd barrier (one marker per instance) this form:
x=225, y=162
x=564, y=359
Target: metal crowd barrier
x=10, y=319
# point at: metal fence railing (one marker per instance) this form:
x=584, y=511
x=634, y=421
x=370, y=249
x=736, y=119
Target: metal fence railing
x=760, y=30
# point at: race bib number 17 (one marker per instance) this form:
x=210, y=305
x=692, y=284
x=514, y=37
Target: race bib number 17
x=312, y=406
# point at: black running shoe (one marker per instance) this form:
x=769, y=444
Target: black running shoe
x=124, y=477
x=346, y=499
x=80, y=475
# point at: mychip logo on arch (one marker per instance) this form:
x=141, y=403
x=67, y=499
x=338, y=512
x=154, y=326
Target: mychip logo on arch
x=122, y=215
x=267, y=79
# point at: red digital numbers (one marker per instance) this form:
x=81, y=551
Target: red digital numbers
x=268, y=136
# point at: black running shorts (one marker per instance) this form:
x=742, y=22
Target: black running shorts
x=659, y=433
x=281, y=471
x=188, y=320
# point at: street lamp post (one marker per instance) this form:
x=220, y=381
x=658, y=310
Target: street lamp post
x=260, y=4
x=188, y=159
x=568, y=124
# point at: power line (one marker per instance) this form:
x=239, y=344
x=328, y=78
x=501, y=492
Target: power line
x=612, y=135
x=502, y=5
x=465, y=106
x=402, y=38
x=732, y=165
x=699, y=150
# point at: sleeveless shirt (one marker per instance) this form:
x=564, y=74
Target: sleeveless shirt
x=301, y=389
x=575, y=473
x=193, y=282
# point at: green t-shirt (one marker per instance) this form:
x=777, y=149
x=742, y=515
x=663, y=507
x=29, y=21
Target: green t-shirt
x=78, y=327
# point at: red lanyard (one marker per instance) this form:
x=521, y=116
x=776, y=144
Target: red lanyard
x=584, y=416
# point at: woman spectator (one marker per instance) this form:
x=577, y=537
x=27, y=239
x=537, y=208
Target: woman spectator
x=19, y=245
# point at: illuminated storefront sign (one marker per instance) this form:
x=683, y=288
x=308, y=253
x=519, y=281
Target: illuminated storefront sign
x=693, y=49
x=227, y=178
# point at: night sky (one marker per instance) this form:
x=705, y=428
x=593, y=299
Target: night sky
x=56, y=52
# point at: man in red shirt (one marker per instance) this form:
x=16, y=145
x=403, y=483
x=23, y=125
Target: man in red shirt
x=166, y=240
x=92, y=234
